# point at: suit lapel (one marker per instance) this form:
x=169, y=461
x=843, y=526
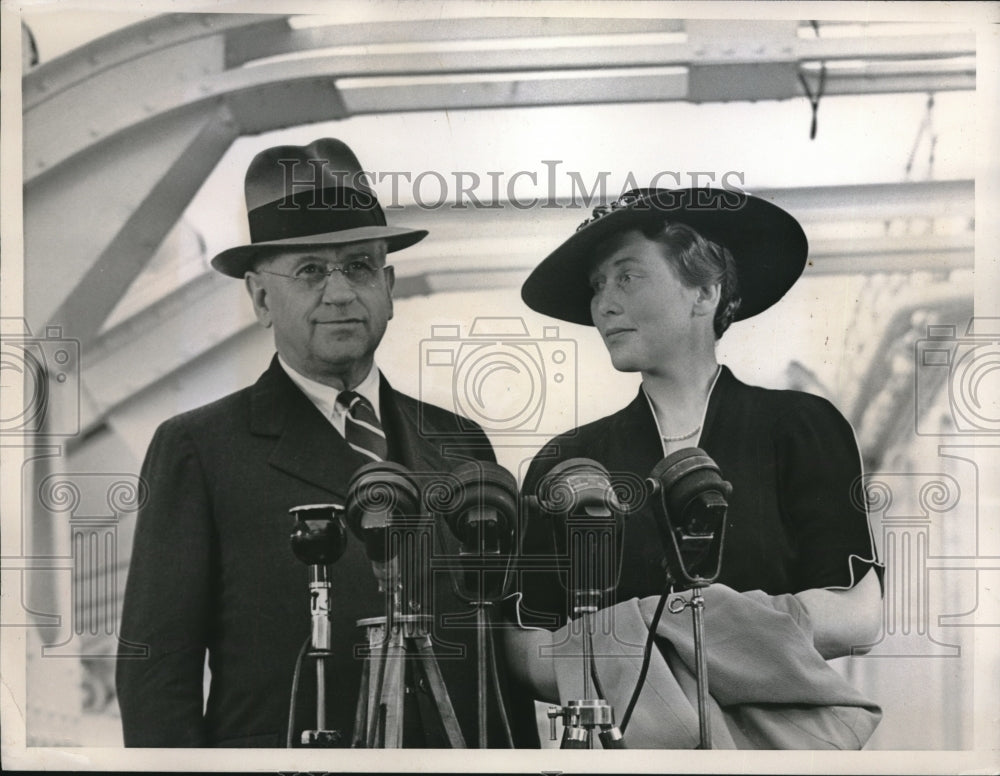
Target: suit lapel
x=402, y=429
x=307, y=446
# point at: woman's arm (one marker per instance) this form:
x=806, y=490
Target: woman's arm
x=845, y=622
x=528, y=666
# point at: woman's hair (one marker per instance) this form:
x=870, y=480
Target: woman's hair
x=700, y=262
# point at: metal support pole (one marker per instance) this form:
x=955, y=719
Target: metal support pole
x=697, y=611
x=321, y=693
x=481, y=657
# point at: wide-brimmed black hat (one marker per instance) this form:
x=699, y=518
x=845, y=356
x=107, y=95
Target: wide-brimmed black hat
x=305, y=196
x=767, y=244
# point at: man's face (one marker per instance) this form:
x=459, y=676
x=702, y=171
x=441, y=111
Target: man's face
x=326, y=328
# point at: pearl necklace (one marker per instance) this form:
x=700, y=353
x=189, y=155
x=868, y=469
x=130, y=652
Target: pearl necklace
x=691, y=433
x=681, y=437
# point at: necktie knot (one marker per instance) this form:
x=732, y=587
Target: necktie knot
x=362, y=428
x=349, y=400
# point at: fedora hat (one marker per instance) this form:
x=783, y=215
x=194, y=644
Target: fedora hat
x=767, y=244
x=305, y=196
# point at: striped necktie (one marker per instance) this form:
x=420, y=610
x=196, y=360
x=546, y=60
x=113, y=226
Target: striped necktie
x=362, y=430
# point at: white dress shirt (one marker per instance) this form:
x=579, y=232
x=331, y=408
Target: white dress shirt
x=325, y=396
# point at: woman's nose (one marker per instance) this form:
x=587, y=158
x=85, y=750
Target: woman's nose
x=605, y=302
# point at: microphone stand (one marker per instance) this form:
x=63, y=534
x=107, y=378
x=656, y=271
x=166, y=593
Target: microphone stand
x=592, y=520
x=697, y=606
x=582, y=716
x=383, y=509
x=318, y=539
x=400, y=645
x=319, y=596
x=483, y=522
x=692, y=496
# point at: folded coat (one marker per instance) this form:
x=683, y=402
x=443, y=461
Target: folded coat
x=769, y=688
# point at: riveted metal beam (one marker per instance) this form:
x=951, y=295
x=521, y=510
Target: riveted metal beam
x=246, y=45
x=154, y=106
x=211, y=309
x=90, y=230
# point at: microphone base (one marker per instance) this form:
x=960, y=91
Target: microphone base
x=322, y=739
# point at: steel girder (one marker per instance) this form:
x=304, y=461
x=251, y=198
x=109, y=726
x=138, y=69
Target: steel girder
x=120, y=133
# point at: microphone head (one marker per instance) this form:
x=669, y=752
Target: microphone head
x=579, y=485
x=693, y=487
x=692, y=514
x=484, y=510
x=380, y=494
x=587, y=523
x=319, y=536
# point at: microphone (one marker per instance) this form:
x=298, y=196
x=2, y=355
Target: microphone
x=319, y=536
x=483, y=520
x=482, y=515
x=691, y=513
x=587, y=524
x=381, y=496
x=319, y=539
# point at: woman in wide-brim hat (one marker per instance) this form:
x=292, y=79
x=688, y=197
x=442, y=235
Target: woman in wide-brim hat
x=662, y=274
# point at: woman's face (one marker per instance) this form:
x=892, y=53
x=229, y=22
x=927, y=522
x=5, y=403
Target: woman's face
x=640, y=306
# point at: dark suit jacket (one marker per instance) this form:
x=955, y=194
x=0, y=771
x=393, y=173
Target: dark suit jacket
x=212, y=568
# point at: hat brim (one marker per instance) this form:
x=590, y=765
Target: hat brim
x=236, y=262
x=767, y=244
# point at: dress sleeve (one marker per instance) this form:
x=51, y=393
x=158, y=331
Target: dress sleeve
x=819, y=471
x=168, y=599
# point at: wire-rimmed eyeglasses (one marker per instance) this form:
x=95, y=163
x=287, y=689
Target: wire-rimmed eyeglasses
x=314, y=274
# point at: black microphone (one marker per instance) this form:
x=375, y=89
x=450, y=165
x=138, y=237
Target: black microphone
x=319, y=539
x=319, y=536
x=482, y=514
x=587, y=524
x=691, y=513
x=381, y=496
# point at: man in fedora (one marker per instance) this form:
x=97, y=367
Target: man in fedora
x=212, y=570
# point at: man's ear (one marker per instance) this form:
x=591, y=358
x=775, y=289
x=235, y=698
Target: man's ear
x=390, y=283
x=707, y=299
x=258, y=295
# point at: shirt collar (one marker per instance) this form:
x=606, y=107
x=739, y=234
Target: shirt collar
x=325, y=396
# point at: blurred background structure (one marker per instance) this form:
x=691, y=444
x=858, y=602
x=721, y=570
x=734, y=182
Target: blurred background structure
x=134, y=147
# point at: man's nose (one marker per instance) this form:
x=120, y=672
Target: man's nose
x=337, y=289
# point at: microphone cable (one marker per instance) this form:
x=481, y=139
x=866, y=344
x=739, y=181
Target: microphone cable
x=646, y=656
x=498, y=690
x=290, y=734
x=593, y=665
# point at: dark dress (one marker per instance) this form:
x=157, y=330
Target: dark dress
x=795, y=519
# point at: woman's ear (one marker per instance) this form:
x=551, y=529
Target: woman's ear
x=258, y=295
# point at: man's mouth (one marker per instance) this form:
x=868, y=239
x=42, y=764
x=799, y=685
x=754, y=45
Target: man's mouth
x=615, y=331
x=341, y=322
